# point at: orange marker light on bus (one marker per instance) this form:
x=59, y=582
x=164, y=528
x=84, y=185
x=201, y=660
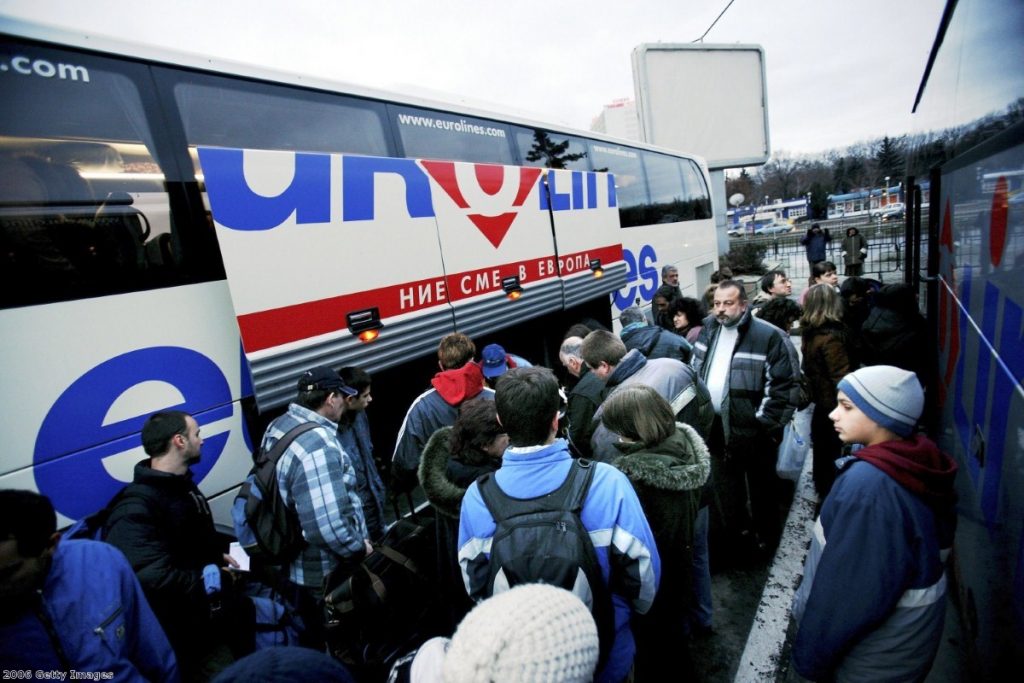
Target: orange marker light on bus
x=368, y=335
x=365, y=324
x=595, y=265
x=513, y=290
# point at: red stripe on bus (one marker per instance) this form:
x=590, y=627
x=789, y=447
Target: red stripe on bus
x=274, y=327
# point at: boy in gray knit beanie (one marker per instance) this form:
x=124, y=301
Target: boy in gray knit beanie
x=872, y=601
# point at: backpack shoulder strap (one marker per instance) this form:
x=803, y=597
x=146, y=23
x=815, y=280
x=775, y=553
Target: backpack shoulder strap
x=494, y=498
x=278, y=449
x=580, y=477
x=651, y=344
x=569, y=496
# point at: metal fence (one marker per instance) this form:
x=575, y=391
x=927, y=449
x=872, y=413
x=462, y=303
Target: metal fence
x=884, y=262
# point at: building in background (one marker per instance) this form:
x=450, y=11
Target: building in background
x=618, y=119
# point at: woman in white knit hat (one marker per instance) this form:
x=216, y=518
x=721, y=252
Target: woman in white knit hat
x=531, y=633
x=873, y=597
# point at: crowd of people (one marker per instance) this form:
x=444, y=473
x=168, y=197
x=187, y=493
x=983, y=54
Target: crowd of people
x=667, y=432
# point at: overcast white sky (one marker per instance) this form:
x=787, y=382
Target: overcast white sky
x=839, y=71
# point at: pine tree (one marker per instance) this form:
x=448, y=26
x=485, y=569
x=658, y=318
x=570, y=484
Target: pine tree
x=889, y=160
x=552, y=154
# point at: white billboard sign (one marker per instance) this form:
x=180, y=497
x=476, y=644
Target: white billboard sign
x=704, y=99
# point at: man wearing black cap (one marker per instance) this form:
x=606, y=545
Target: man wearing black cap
x=316, y=478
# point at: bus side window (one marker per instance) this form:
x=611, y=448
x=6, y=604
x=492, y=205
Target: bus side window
x=697, y=195
x=542, y=148
x=665, y=181
x=276, y=117
x=630, y=186
x=83, y=206
x=429, y=134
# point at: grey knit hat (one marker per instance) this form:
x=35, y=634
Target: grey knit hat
x=531, y=633
x=890, y=396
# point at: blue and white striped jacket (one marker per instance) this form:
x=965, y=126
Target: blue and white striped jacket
x=317, y=479
x=611, y=513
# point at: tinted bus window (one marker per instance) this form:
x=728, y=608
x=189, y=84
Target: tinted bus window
x=665, y=182
x=551, y=150
x=83, y=205
x=630, y=188
x=427, y=134
x=218, y=112
x=697, y=196
x=677, y=190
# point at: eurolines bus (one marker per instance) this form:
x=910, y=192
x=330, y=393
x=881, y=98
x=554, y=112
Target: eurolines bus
x=973, y=247
x=179, y=234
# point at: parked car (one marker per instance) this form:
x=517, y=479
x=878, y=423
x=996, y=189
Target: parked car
x=894, y=211
x=774, y=229
x=738, y=231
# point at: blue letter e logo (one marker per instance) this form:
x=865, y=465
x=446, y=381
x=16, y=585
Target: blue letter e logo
x=75, y=436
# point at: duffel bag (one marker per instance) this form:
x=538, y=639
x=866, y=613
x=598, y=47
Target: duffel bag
x=387, y=604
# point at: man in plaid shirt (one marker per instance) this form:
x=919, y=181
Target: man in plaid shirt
x=316, y=478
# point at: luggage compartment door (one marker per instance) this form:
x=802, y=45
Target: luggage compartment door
x=309, y=240
x=496, y=237
x=586, y=222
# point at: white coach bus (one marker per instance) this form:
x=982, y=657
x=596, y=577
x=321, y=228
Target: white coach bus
x=177, y=234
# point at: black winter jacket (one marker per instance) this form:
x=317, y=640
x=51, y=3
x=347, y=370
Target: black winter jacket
x=584, y=400
x=445, y=481
x=668, y=478
x=763, y=390
x=166, y=531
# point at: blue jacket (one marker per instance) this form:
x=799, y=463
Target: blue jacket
x=611, y=513
x=94, y=605
x=435, y=408
x=354, y=436
x=815, y=244
x=656, y=342
x=873, y=597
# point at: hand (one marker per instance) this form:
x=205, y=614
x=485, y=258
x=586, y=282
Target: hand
x=369, y=548
x=864, y=252
x=843, y=254
x=231, y=562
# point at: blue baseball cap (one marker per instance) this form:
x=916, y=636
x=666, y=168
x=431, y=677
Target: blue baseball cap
x=493, y=362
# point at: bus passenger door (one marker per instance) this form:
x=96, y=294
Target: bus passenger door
x=496, y=238
x=322, y=251
x=587, y=236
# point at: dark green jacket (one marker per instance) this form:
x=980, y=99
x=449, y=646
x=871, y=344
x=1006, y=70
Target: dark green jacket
x=668, y=478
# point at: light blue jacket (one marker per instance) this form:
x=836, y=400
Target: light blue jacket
x=611, y=513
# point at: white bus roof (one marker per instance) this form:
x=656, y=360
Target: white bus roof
x=109, y=45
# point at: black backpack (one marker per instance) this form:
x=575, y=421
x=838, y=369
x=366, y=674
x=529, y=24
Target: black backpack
x=93, y=527
x=266, y=528
x=382, y=607
x=543, y=540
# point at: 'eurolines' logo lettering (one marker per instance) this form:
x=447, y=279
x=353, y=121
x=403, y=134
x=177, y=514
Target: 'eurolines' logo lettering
x=307, y=198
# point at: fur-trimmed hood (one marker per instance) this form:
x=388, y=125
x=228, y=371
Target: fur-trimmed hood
x=445, y=480
x=679, y=463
